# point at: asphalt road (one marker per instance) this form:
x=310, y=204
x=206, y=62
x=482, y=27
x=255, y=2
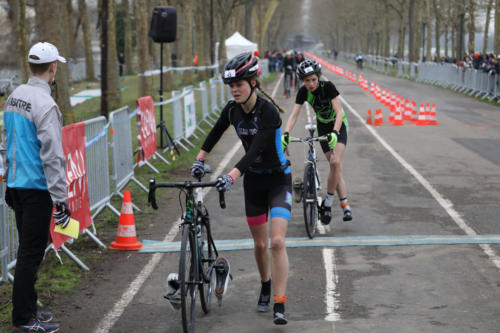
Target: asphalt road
x=410, y=180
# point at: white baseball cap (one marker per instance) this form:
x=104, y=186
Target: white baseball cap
x=45, y=52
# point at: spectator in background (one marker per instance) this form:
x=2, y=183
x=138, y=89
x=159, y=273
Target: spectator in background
x=121, y=62
x=173, y=57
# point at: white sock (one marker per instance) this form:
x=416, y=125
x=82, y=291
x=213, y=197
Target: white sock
x=329, y=199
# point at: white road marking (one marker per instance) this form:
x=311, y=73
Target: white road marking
x=332, y=279
x=445, y=203
x=119, y=307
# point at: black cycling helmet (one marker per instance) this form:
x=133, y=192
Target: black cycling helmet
x=244, y=66
x=308, y=67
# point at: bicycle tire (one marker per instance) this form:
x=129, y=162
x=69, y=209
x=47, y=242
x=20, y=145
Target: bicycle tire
x=188, y=273
x=287, y=85
x=310, y=201
x=207, y=258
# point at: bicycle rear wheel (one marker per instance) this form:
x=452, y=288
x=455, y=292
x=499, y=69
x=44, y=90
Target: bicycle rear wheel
x=309, y=201
x=207, y=258
x=188, y=274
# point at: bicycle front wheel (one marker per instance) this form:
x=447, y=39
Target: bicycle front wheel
x=207, y=258
x=188, y=273
x=309, y=200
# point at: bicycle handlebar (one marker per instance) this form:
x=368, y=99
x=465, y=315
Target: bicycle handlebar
x=186, y=184
x=308, y=139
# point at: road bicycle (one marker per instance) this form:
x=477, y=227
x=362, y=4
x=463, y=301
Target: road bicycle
x=288, y=80
x=307, y=189
x=198, y=253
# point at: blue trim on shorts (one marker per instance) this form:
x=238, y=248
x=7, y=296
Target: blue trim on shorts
x=280, y=212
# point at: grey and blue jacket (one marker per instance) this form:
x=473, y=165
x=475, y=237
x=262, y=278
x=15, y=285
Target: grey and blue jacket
x=31, y=147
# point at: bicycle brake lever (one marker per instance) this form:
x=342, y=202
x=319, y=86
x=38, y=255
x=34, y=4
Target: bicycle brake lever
x=222, y=200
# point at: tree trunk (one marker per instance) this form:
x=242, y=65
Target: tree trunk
x=187, y=40
x=142, y=47
x=261, y=27
x=248, y=21
x=127, y=27
x=401, y=37
x=200, y=37
x=89, y=57
x=387, y=33
x=496, y=44
x=487, y=26
x=437, y=28
x=471, y=46
x=71, y=31
x=47, y=12
x=428, y=48
x=17, y=16
x=411, y=31
x=114, y=93
x=419, y=31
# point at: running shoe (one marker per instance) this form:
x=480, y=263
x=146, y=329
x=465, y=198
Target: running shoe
x=173, y=294
x=279, y=314
x=222, y=276
x=36, y=326
x=347, y=215
x=44, y=316
x=326, y=214
x=264, y=299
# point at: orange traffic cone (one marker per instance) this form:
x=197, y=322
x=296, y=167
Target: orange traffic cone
x=407, y=115
x=369, y=118
x=422, y=121
x=433, y=120
x=414, y=116
x=428, y=112
x=125, y=237
x=398, y=119
x=379, y=119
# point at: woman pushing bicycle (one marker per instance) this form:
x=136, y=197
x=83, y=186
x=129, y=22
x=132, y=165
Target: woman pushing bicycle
x=267, y=179
x=323, y=97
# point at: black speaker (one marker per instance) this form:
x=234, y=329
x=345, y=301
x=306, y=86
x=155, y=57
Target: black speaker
x=163, y=24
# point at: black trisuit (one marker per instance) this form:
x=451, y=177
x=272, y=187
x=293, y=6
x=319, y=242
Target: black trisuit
x=267, y=179
x=321, y=102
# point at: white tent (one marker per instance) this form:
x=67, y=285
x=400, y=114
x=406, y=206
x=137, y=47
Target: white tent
x=237, y=44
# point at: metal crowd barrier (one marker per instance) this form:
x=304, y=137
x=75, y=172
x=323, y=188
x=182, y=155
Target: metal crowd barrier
x=466, y=80
x=119, y=133
x=477, y=83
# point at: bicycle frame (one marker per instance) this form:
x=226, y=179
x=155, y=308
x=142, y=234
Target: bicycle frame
x=202, y=217
x=310, y=156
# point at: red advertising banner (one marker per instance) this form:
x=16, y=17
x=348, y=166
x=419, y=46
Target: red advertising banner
x=73, y=140
x=146, y=127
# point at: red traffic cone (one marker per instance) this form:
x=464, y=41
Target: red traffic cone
x=369, y=118
x=379, y=119
x=125, y=237
x=433, y=120
x=422, y=121
x=398, y=119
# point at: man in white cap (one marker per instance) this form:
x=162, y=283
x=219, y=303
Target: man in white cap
x=34, y=169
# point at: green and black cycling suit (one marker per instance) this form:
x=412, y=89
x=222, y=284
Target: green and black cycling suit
x=321, y=101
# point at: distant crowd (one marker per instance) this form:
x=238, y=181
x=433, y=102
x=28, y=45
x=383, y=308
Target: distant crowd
x=278, y=60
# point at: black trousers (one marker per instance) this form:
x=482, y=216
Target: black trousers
x=33, y=209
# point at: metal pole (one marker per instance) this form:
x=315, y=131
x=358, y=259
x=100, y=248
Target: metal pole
x=161, y=93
